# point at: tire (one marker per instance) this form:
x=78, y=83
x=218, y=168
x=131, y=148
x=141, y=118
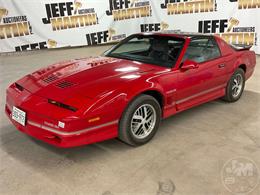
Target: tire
x=133, y=128
x=235, y=87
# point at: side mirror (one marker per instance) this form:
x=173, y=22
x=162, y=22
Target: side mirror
x=189, y=64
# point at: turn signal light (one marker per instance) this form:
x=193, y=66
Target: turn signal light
x=94, y=119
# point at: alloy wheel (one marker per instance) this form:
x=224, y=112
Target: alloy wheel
x=143, y=121
x=237, y=85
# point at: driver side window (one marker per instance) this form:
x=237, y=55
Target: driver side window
x=202, y=50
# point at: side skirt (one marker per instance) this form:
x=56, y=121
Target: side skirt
x=193, y=101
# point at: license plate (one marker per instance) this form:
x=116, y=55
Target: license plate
x=18, y=115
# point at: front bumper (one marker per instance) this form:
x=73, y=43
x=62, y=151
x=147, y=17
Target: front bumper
x=65, y=139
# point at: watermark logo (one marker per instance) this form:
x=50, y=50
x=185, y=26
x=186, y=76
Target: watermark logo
x=166, y=187
x=240, y=175
x=107, y=193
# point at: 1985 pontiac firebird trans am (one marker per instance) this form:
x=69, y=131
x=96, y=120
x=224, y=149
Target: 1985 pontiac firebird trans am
x=126, y=92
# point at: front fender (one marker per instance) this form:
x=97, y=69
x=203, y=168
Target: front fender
x=112, y=105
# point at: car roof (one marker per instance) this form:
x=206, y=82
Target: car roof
x=179, y=34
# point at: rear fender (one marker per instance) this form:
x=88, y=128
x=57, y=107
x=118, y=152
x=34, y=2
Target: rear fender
x=247, y=58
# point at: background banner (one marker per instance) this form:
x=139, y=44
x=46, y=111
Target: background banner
x=43, y=24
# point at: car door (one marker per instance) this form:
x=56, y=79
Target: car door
x=204, y=83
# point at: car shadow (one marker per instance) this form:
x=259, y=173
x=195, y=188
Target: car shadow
x=41, y=155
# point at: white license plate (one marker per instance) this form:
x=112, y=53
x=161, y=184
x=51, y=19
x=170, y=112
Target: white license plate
x=18, y=115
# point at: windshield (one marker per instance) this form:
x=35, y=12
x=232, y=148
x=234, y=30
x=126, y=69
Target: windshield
x=152, y=49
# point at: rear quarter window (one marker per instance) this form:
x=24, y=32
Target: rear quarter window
x=202, y=50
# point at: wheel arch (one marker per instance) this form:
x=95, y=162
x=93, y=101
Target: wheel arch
x=156, y=94
x=243, y=67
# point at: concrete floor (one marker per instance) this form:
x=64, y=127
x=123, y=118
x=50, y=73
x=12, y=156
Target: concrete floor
x=185, y=157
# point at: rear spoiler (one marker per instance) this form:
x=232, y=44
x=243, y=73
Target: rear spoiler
x=241, y=47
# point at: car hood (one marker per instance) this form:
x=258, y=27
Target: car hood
x=88, y=77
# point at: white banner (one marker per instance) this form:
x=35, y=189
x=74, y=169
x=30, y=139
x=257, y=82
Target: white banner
x=43, y=24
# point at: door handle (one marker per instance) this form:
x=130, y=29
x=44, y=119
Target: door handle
x=221, y=65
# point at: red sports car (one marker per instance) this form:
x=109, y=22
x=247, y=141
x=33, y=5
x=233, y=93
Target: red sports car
x=126, y=92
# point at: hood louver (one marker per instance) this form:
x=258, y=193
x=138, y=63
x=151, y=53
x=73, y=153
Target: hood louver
x=50, y=78
x=64, y=84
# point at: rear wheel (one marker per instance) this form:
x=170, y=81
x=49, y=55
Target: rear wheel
x=235, y=86
x=140, y=121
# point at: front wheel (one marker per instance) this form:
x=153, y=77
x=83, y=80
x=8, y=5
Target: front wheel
x=140, y=121
x=235, y=86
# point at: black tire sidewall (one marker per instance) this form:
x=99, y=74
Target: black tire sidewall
x=229, y=95
x=125, y=133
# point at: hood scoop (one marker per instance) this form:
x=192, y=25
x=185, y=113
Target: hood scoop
x=64, y=84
